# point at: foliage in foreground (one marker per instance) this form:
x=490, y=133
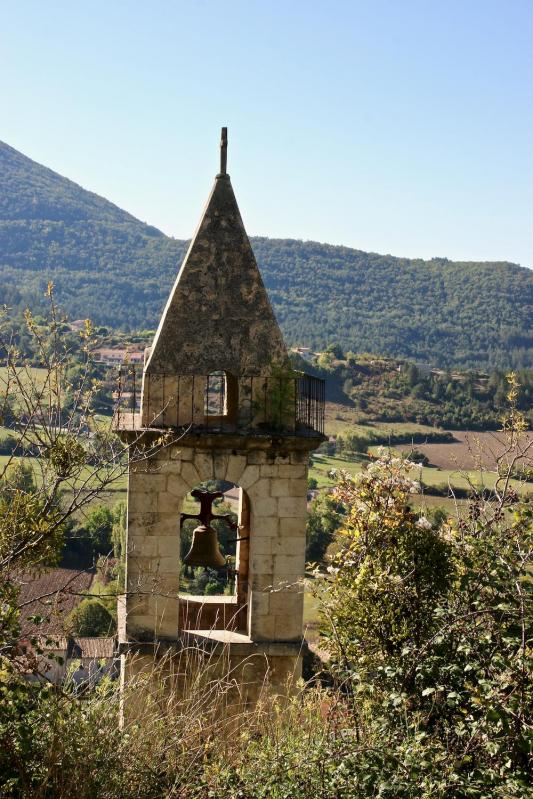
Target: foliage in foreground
x=428, y=628
x=431, y=629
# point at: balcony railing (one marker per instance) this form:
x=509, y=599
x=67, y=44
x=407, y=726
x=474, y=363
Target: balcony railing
x=287, y=405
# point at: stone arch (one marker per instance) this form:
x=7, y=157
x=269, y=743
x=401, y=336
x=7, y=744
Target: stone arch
x=198, y=580
x=186, y=469
x=222, y=610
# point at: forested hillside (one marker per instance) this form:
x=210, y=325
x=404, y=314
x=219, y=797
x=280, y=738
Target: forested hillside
x=109, y=266
x=364, y=389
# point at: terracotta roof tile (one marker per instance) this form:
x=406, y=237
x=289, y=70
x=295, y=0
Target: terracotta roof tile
x=52, y=594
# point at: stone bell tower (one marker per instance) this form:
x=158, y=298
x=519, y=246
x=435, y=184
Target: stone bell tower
x=220, y=398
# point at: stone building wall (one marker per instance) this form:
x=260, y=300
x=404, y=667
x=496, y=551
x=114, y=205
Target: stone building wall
x=276, y=487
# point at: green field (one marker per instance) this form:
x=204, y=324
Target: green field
x=429, y=475
x=117, y=486
x=30, y=376
x=342, y=419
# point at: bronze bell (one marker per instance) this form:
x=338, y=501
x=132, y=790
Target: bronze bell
x=204, y=549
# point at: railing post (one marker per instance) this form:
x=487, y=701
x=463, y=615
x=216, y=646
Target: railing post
x=119, y=397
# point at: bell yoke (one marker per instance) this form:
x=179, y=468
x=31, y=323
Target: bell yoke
x=205, y=550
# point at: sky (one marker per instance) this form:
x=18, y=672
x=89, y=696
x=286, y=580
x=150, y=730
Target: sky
x=392, y=126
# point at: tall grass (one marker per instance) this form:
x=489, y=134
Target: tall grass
x=204, y=741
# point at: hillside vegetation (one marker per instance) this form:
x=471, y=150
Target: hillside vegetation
x=363, y=389
x=111, y=267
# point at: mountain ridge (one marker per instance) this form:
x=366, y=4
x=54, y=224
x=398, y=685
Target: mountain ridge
x=110, y=266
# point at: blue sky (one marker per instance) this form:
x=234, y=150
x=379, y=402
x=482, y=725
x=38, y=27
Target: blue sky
x=397, y=126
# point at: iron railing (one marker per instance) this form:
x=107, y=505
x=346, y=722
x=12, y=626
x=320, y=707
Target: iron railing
x=293, y=404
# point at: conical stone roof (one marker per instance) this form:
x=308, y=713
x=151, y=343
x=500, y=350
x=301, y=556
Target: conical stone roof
x=218, y=316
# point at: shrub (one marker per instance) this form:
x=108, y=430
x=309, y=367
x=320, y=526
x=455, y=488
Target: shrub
x=99, y=527
x=429, y=631
x=392, y=569
x=91, y=618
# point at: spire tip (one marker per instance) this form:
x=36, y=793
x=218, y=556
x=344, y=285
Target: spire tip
x=223, y=151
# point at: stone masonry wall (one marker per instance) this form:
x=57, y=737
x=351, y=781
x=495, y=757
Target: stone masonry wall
x=276, y=486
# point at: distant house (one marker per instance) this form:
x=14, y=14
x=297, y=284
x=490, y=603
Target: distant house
x=64, y=659
x=90, y=659
x=49, y=653
x=77, y=325
x=114, y=357
x=50, y=595
x=305, y=353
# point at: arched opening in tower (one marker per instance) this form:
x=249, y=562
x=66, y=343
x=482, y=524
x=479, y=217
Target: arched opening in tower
x=214, y=557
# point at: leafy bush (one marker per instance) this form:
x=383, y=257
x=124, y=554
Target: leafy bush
x=322, y=522
x=391, y=570
x=99, y=527
x=91, y=619
x=429, y=631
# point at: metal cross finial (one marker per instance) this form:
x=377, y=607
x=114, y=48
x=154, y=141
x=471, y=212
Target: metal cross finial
x=223, y=151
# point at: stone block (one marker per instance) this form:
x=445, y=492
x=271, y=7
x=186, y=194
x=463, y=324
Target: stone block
x=220, y=465
x=138, y=625
x=300, y=456
x=269, y=470
x=169, y=546
x=235, y=469
x=256, y=456
x=264, y=528
x=190, y=474
x=263, y=627
x=261, y=564
x=136, y=606
x=293, y=507
x=204, y=465
x=168, y=585
x=151, y=465
x=141, y=519
x=142, y=546
x=139, y=581
x=177, y=486
x=154, y=482
x=181, y=453
x=249, y=477
x=161, y=606
x=287, y=628
x=140, y=564
x=265, y=506
x=162, y=455
x=133, y=590
x=293, y=471
x=260, y=603
x=261, y=582
x=167, y=565
x=287, y=604
x=141, y=501
x=289, y=583
x=262, y=545
x=260, y=489
x=293, y=526
x=280, y=487
x=169, y=503
x=288, y=546
x=298, y=488
x=288, y=565
x=165, y=524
